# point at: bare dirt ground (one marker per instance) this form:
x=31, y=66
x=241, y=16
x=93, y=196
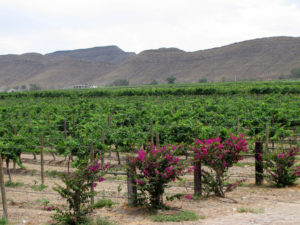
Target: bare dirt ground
x=274, y=206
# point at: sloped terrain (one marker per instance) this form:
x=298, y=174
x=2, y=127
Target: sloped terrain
x=262, y=59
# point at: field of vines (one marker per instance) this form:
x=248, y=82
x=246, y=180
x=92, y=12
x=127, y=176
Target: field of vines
x=67, y=124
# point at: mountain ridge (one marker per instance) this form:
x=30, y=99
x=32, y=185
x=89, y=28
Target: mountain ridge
x=262, y=58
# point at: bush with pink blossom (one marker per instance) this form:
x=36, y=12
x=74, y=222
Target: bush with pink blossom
x=156, y=168
x=77, y=190
x=219, y=156
x=281, y=169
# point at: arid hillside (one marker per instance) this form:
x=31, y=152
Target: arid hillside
x=265, y=58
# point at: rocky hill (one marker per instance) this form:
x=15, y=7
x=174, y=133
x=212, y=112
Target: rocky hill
x=255, y=59
x=265, y=58
x=109, y=54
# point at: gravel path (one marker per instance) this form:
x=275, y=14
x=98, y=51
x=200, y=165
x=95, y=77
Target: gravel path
x=280, y=213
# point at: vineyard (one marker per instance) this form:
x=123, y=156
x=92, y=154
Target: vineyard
x=49, y=133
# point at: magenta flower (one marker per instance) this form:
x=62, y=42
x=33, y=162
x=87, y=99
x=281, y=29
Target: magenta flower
x=141, y=154
x=224, y=164
x=106, y=166
x=188, y=197
x=101, y=179
x=140, y=182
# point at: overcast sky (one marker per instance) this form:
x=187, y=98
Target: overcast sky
x=135, y=25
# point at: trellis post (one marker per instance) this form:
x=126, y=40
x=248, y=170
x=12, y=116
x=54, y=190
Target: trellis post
x=3, y=193
x=151, y=133
x=42, y=159
x=102, y=151
x=65, y=128
x=92, y=159
x=267, y=137
x=157, y=139
x=131, y=184
x=197, y=176
x=259, y=168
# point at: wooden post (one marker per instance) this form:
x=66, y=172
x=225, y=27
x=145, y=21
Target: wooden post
x=197, y=126
x=29, y=122
x=109, y=120
x=48, y=117
x=118, y=157
x=73, y=120
x=157, y=139
x=65, y=128
x=102, y=136
x=259, y=168
x=68, y=164
x=92, y=154
x=197, y=176
x=151, y=133
x=15, y=130
x=10, y=119
x=131, y=184
x=3, y=194
x=42, y=159
x=267, y=137
x=238, y=129
x=92, y=159
x=102, y=151
x=217, y=132
x=186, y=153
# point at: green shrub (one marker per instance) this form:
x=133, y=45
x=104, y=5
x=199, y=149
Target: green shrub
x=77, y=190
x=250, y=210
x=102, y=221
x=104, y=203
x=281, y=169
x=3, y=221
x=203, y=80
x=14, y=184
x=120, y=82
x=176, y=217
x=40, y=187
x=171, y=79
x=154, y=82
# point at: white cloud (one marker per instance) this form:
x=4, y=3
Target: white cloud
x=135, y=25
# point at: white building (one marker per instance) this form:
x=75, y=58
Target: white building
x=80, y=86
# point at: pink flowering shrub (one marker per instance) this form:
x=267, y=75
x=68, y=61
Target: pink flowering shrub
x=219, y=157
x=47, y=206
x=156, y=168
x=281, y=169
x=77, y=192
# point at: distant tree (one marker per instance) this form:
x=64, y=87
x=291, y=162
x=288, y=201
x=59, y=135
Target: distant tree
x=34, y=87
x=16, y=87
x=23, y=87
x=171, y=79
x=282, y=77
x=154, y=82
x=203, y=80
x=223, y=78
x=120, y=82
x=295, y=73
